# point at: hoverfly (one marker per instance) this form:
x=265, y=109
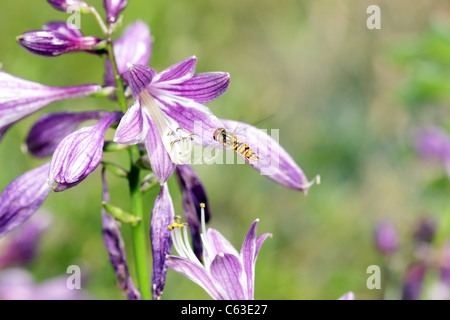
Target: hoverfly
x=229, y=140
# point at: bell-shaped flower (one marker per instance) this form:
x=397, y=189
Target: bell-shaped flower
x=22, y=197
x=113, y=8
x=162, y=216
x=79, y=154
x=193, y=194
x=49, y=130
x=20, y=247
x=166, y=102
x=20, y=98
x=114, y=244
x=56, y=38
x=65, y=5
x=133, y=46
x=226, y=274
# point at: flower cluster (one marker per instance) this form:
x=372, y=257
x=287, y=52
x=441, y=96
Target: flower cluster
x=166, y=117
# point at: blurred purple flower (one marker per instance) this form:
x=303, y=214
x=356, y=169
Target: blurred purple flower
x=348, y=296
x=22, y=197
x=64, y=5
x=162, y=216
x=49, y=130
x=113, y=8
x=165, y=102
x=425, y=230
x=193, y=194
x=114, y=244
x=226, y=274
x=55, y=39
x=20, y=247
x=133, y=46
x=386, y=237
x=413, y=281
x=18, y=284
x=79, y=154
x=20, y=98
x=434, y=143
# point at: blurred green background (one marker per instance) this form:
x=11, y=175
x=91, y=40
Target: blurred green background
x=346, y=99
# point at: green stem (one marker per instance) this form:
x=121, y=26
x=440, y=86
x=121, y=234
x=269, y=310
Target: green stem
x=137, y=208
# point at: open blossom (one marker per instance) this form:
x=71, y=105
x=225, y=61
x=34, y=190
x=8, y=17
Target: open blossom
x=80, y=153
x=20, y=98
x=226, y=274
x=22, y=197
x=55, y=39
x=113, y=8
x=167, y=101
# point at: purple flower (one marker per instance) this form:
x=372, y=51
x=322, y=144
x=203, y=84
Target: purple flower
x=20, y=98
x=79, y=154
x=194, y=195
x=113, y=8
x=413, y=281
x=21, y=246
x=386, y=237
x=22, y=197
x=55, y=39
x=134, y=46
x=64, y=5
x=424, y=230
x=434, y=143
x=162, y=216
x=49, y=130
x=18, y=284
x=113, y=240
x=166, y=102
x=348, y=296
x=226, y=274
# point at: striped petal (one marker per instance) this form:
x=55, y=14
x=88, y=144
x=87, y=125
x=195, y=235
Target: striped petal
x=228, y=274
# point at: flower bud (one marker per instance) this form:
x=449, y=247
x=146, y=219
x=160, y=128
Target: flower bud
x=113, y=8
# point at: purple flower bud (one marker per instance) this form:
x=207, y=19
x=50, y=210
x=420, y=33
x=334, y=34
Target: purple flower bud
x=193, y=195
x=113, y=8
x=413, y=281
x=22, y=197
x=20, y=98
x=162, y=217
x=51, y=128
x=64, y=5
x=386, y=237
x=21, y=246
x=79, y=153
x=55, y=39
x=113, y=240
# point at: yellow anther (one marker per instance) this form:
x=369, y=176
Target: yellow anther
x=202, y=205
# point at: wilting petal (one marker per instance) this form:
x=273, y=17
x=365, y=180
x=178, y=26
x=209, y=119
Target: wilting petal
x=193, y=194
x=49, y=130
x=20, y=247
x=348, y=296
x=64, y=5
x=413, y=281
x=274, y=162
x=228, y=274
x=162, y=165
x=132, y=128
x=134, y=46
x=20, y=98
x=114, y=244
x=162, y=216
x=55, y=39
x=202, y=88
x=113, y=8
x=80, y=153
x=177, y=73
x=195, y=273
x=22, y=197
x=386, y=237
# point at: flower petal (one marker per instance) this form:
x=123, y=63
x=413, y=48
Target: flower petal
x=132, y=128
x=133, y=46
x=248, y=253
x=216, y=243
x=139, y=77
x=48, y=131
x=22, y=197
x=162, y=217
x=274, y=162
x=177, y=73
x=114, y=244
x=228, y=274
x=348, y=296
x=162, y=165
x=195, y=273
x=113, y=8
x=202, y=88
